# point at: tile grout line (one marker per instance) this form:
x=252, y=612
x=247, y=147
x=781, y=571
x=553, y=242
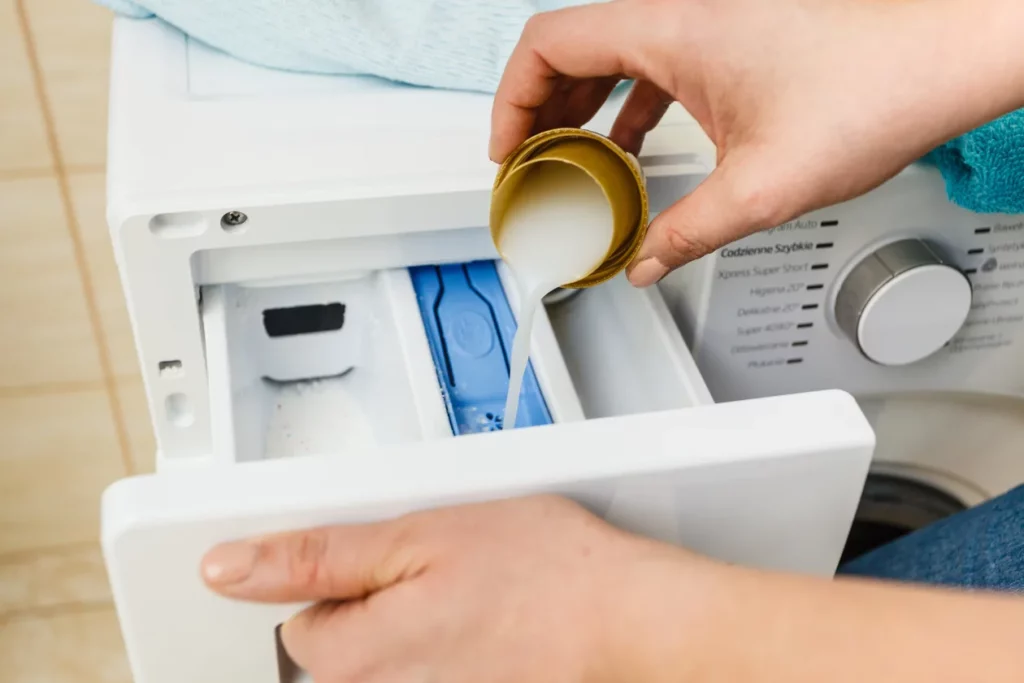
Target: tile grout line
x=19, y=556
x=83, y=169
x=36, y=173
x=58, y=610
x=99, y=334
x=49, y=388
x=25, y=174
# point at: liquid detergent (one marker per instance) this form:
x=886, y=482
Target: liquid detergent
x=569, y=209
x=558, y=231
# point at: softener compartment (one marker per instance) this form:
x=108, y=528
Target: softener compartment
x=470, y=328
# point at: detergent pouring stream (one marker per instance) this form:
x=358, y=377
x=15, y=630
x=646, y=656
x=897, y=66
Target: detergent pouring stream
x=569, y=209
x=557, y=233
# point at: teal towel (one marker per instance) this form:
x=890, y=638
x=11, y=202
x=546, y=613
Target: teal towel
x=984, y=170
x=463, y=45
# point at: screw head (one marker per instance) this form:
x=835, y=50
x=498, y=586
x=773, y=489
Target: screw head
x=232, y=219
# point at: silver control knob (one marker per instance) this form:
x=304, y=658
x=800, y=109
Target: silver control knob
x=902, y=302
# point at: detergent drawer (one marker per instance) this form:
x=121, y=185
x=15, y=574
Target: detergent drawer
x=772, y=482
x=410, y=355
x=334, y=401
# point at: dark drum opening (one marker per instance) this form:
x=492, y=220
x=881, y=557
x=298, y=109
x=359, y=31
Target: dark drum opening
x=891, y=507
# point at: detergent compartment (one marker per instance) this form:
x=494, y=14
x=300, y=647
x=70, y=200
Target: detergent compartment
x=370, y=359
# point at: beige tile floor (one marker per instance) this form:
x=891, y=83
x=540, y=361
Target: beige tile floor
x=72, y=415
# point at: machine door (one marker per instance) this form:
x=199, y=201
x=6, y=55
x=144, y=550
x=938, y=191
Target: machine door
x=771, y=483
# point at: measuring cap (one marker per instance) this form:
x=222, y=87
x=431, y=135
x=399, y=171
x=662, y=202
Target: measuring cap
x=616, y=172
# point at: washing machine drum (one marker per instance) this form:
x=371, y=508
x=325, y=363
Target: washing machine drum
x=937, y=454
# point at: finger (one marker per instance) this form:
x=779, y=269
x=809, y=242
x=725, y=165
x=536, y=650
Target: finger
x=588, y=41
x=341, y=562
x=736, y=200
x=586, y=99
x=573, y=103
x=354, y=640
x=642, y=111
x=551, y=113
x=338, y=641
x=302, y=636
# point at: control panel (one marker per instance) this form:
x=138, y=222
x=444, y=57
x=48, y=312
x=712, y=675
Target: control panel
x=898, y=290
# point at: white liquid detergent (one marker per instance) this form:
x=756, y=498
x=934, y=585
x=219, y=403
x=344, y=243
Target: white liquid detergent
x=557, y=230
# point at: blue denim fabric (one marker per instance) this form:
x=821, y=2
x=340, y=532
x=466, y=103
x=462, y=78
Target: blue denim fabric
x=981, y=548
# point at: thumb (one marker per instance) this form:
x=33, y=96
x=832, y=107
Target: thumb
x=330, y=563
x=734, y=201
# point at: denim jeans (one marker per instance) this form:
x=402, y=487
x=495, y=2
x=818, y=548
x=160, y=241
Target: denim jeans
x=981, y=548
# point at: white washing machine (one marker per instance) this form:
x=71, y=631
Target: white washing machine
x=906, y=301
x=323, y=335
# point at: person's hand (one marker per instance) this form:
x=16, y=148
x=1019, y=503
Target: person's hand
x=809, y=102
x=537, y=590
x=525, y=591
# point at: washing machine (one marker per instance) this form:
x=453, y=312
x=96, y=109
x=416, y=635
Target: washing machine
x=323, y=328
x=906, y=301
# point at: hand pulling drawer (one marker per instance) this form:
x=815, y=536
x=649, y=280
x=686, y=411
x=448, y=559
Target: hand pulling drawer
x=771, y=483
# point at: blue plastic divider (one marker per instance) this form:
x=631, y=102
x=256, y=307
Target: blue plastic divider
x=470, y=328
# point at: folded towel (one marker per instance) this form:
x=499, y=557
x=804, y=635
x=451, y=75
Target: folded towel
x=984, y=169
x=456, y=44
x=464, y=44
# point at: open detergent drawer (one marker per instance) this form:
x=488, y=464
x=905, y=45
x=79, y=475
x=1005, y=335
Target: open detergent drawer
x=277, y=236
x=318, y=420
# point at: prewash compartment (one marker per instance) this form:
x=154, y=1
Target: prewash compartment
x=313, y=368
x=396, y=356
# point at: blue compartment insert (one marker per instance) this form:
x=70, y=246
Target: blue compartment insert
x=470, y=327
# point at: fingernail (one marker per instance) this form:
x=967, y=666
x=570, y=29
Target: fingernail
x=230, y=563
x=647, y=272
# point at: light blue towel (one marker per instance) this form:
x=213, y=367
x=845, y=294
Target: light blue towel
x=457, y=44
x=464, y=44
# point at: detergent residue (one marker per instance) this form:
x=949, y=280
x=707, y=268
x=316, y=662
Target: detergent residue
x=316, y=417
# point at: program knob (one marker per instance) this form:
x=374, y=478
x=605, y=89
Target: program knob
x=902, y=302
